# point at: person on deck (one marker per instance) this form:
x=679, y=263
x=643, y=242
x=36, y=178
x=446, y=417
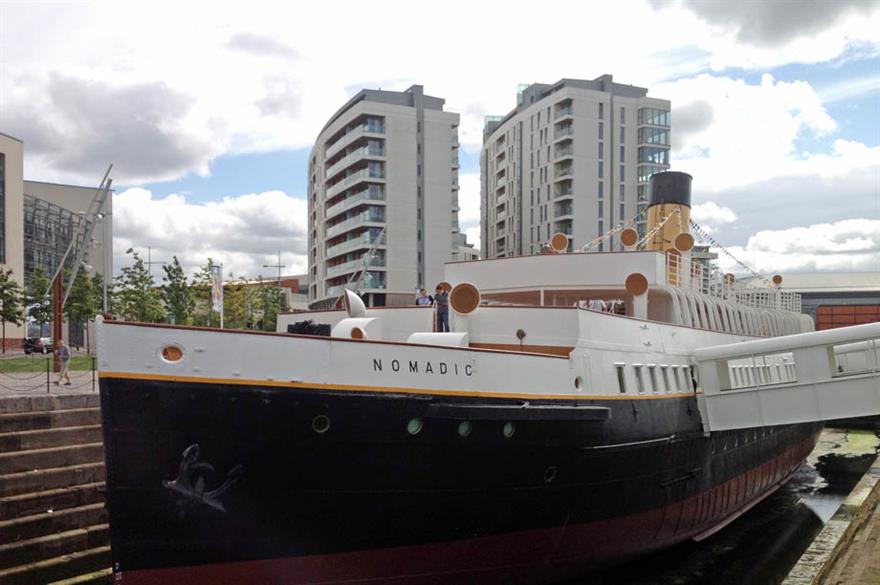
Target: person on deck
x=441, y=305
x=424, y=298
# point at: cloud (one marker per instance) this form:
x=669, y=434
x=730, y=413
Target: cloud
x=76, y=126
x=770, y=23
x=753, y=131
x=848, y=245
x=710, y=214
x=261, y=45
x=849, y=88
x=241, y=232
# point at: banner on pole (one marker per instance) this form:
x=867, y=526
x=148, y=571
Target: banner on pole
x=217, y=288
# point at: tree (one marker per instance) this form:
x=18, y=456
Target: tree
x=178, y=295
x=38, y=298
x=136, y=296
x=235, y=304
x=272, y=301
x=202, y=285
x=10, y=302
x=98, y=291
x=83, y=304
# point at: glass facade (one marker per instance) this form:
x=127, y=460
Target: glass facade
x=648, y=135
x=654, y=155
x=654, y=117
x=48, y=230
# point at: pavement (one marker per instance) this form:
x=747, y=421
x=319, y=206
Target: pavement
x=859, y=562
x=30, y=383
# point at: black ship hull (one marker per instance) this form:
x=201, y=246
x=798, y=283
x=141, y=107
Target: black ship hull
x=234, y=483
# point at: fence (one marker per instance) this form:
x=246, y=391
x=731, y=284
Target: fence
x=27, y=375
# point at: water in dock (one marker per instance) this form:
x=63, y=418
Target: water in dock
x=762, y=546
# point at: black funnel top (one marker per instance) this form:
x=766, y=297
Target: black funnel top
x=670, y=187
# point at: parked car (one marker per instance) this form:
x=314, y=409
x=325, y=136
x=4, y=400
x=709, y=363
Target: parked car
x=38, y=345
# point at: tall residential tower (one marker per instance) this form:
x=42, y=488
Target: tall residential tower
x=383, y=197
x=573, y=157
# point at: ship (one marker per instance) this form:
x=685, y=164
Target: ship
x=555, y=431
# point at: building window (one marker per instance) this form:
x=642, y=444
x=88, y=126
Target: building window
x=601, y=149
x=654, y=117
x=601, y=191
x=622, y=134
x=601, y=169
x=622, y=173
x=601, y=111
x=601, y=130
x=622, y=153
x=622, y=115
x=601, y=209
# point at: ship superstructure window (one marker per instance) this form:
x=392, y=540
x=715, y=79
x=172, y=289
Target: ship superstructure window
x=676, y=379
x=621, y=377
x=664, y=373
x=652, y=374
x=640, y=380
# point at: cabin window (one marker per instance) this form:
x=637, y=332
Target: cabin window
x=640, y=381
x=688, y=383
x=676, y=379
x=652, y=374
x=664, y=373
x=621, y=377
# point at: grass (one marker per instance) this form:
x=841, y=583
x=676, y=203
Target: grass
x=37, y=363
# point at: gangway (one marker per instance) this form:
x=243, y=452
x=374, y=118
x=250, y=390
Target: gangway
x=816, y=376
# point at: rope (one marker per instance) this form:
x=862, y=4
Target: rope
x=707, y=238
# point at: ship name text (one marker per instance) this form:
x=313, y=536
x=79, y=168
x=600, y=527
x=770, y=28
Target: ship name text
x=423, y=367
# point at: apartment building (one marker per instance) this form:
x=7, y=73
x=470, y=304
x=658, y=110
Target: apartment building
x=383, y=198
x=573, y=157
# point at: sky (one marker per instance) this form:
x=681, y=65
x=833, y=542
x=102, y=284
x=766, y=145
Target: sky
x=208, y=110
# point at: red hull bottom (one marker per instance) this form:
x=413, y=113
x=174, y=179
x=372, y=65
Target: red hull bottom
x=533, y=556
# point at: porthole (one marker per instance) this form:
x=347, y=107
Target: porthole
x=172, y=354
x=464, y=428
x=578, y=383
x=414, y=426
x=509, y=429
x=321, y=424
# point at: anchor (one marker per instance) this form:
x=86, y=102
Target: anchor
x=192, y=478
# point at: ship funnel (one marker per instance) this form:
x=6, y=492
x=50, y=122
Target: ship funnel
x=670, y=199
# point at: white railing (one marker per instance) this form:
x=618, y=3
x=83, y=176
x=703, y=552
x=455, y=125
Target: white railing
x=351, y=136
x=353, y=266
x=352, y=157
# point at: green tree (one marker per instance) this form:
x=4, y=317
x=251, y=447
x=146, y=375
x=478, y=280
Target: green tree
x=10, y=302
x=38, y=298
x=83, y=304
x=177, y=293
x=98, y=292
x=202, y=283
x=272, y=301
x=136, y=296
x=235, y=304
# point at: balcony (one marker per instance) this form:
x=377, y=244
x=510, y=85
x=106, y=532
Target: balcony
x=363, y=241
x=354, y=266
x=562, y=132
x=371, y=193
x=373, y=214
x=353, y=179
x=455, y=160
x=353, y=157
x=561, y=172
x=351, y=136
x=370, y=281
x=501, y=200
x=564, y=151
x=563, y=210
x=501, y=216
x=564, y=227
x=564, y=191
x=563, y=112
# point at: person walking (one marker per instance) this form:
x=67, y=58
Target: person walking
x=441, y=305
x=64, y=356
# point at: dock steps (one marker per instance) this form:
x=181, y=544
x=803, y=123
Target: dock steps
x=53, y=522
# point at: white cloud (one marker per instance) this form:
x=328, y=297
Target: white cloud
x=709, y=215
x=737, y=133
x=242, y=232
x=258, y=77
x=848, y=245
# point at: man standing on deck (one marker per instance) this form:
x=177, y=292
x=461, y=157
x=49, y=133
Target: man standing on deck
x=441, y=305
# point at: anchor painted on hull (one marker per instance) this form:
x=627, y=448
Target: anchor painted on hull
x=192, y=479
